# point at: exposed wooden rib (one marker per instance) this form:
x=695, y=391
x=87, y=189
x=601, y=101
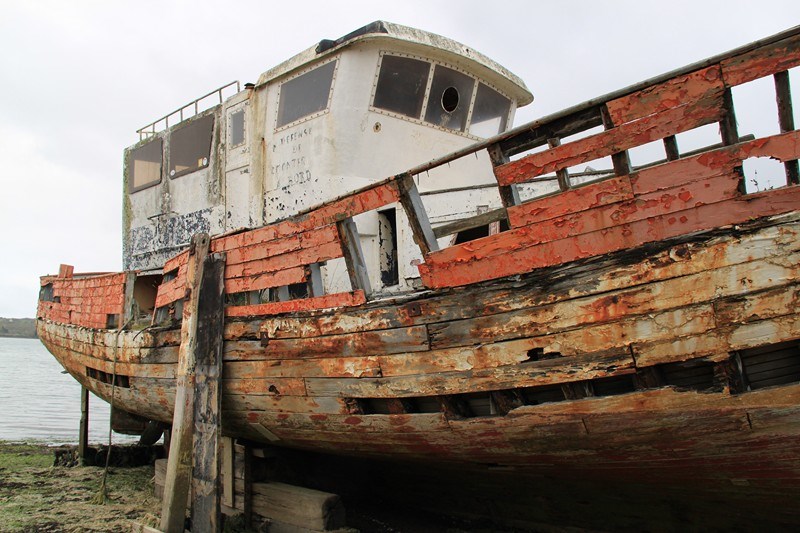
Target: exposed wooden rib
x=353, y=256
x=417, y=216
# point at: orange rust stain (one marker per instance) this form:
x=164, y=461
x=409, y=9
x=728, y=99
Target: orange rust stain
x=353, y=420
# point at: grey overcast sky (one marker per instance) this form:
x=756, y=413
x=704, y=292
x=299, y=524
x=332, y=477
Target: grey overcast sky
x=78, y=77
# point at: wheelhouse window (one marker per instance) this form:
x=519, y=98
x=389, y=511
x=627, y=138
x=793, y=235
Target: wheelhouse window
x=490, y=113
x=190, y=146
x=144, y=165
x=450, y=98
x=237, y=128
x=401, y=85
x=306, y=94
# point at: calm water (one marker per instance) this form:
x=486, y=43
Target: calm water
x=40, y=403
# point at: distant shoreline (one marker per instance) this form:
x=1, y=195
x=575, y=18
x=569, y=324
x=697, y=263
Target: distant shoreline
x=18, y=328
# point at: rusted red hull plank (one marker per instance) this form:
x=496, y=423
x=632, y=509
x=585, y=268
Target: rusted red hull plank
x=263, y=250
x=612, y=141
x=304, y=256
x=266, y=280
x=470, y=269
x=676, y=92
x=361, y=202
x=761, y=62
x=342, y=299
x=580, y=199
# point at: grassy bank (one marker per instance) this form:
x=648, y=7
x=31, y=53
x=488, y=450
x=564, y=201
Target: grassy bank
x=36, y=496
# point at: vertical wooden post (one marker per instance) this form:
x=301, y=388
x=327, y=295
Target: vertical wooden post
x=417, y=216
x=563, y=174
x=83, y=431
x=783, y=96
x=620, y=160
x=353, y=256
x=179, y=464
x=671, y=148
x=730, y=132
x=206, y=496
x=508, y=193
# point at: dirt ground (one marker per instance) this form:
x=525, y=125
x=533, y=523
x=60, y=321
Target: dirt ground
x=36, y=496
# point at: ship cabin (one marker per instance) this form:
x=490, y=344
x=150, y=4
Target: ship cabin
x=338, y=116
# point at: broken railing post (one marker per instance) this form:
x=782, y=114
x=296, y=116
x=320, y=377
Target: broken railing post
x=197, y=397
x=417, y=216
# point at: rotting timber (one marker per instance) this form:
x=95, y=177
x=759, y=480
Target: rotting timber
x=640, y=328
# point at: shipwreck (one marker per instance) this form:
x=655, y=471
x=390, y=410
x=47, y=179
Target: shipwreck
x=401, y=274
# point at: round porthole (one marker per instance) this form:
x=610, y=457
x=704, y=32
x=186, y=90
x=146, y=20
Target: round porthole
x=450, y=99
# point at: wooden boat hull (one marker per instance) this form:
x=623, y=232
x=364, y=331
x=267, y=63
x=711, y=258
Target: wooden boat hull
x=624, y=366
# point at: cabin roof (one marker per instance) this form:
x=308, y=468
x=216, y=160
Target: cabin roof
x=381, y=30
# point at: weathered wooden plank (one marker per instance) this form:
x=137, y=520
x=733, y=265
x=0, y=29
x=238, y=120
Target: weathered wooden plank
x=406, y=423
x=265, y=386
x=681, y=260
x=266, y=280
x=309, y=239
x=611, y=141
x=330, y=213
x=388, y=341
x=681, y=198
x=770, y=303
x=763, y=61
x=459, y=271
x=235, y=404
x=303, y=509
x=704, y=286
x=355, y=367
x=179, y=465
x=300, y=257
x=171, y=291
x=675, y=92
x=605, y=192
x=206, y=494
x=176, y=262
x=341, y=299
x=528, y=374
x=457, y=359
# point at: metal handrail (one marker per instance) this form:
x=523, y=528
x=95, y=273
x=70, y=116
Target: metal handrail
x=152, y=126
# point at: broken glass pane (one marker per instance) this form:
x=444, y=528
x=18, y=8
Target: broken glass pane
x=448, y=103
x=401, y=85
x=144, y=165
x=190, y=146
x=490, y=113
x=306, y=94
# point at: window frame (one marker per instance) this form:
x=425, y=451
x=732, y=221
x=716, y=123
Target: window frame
x=129, y=165
x=421, y=120
x=183, y=125
x=315, y=114
x=233, y=110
